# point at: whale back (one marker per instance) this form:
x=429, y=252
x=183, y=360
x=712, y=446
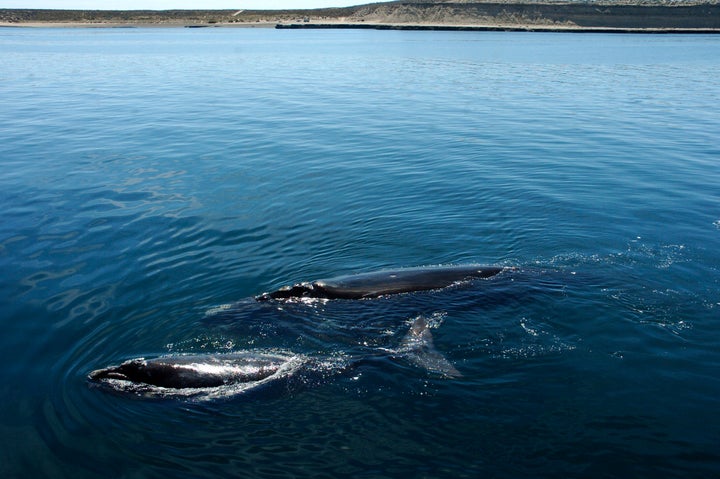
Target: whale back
x=372, y=285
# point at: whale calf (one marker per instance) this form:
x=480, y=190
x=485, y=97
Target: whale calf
x=372, y=285
x=211, y=376
x=204, y=376
x=196, y=371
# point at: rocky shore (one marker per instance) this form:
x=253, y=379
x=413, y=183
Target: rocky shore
x=454, y=14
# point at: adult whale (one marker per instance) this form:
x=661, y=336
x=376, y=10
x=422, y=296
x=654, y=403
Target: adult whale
x=380, y=283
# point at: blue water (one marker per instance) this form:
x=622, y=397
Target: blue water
x=150, y=175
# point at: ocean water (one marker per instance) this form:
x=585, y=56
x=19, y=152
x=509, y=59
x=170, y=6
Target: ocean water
x=148, y=176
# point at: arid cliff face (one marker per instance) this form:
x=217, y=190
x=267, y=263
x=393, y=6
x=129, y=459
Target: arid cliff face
x=532, y=13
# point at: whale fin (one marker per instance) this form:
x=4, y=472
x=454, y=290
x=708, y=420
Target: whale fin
x=419, y=349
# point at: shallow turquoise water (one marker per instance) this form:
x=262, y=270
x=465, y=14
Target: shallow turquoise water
x=150, y=175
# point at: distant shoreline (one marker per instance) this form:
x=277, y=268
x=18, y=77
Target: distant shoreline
x=621, y=16
x=372, y=26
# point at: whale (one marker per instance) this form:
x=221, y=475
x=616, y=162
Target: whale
x=222, y=375
x=197, y=371
x=381, y=283
x=199, y=376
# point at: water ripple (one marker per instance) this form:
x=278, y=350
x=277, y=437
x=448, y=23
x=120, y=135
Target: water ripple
x=150, y=175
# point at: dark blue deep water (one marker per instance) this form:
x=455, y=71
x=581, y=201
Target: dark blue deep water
x=148, y=176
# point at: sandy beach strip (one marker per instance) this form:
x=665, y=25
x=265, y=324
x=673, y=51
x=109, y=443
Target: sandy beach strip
x=279, y=24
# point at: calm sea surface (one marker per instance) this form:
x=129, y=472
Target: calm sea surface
x=150, y=175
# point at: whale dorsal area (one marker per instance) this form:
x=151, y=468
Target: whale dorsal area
x=372, y=285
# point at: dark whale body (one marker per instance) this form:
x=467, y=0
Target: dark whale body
x=372, y=285
x=196, y=371
x=204, y=377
